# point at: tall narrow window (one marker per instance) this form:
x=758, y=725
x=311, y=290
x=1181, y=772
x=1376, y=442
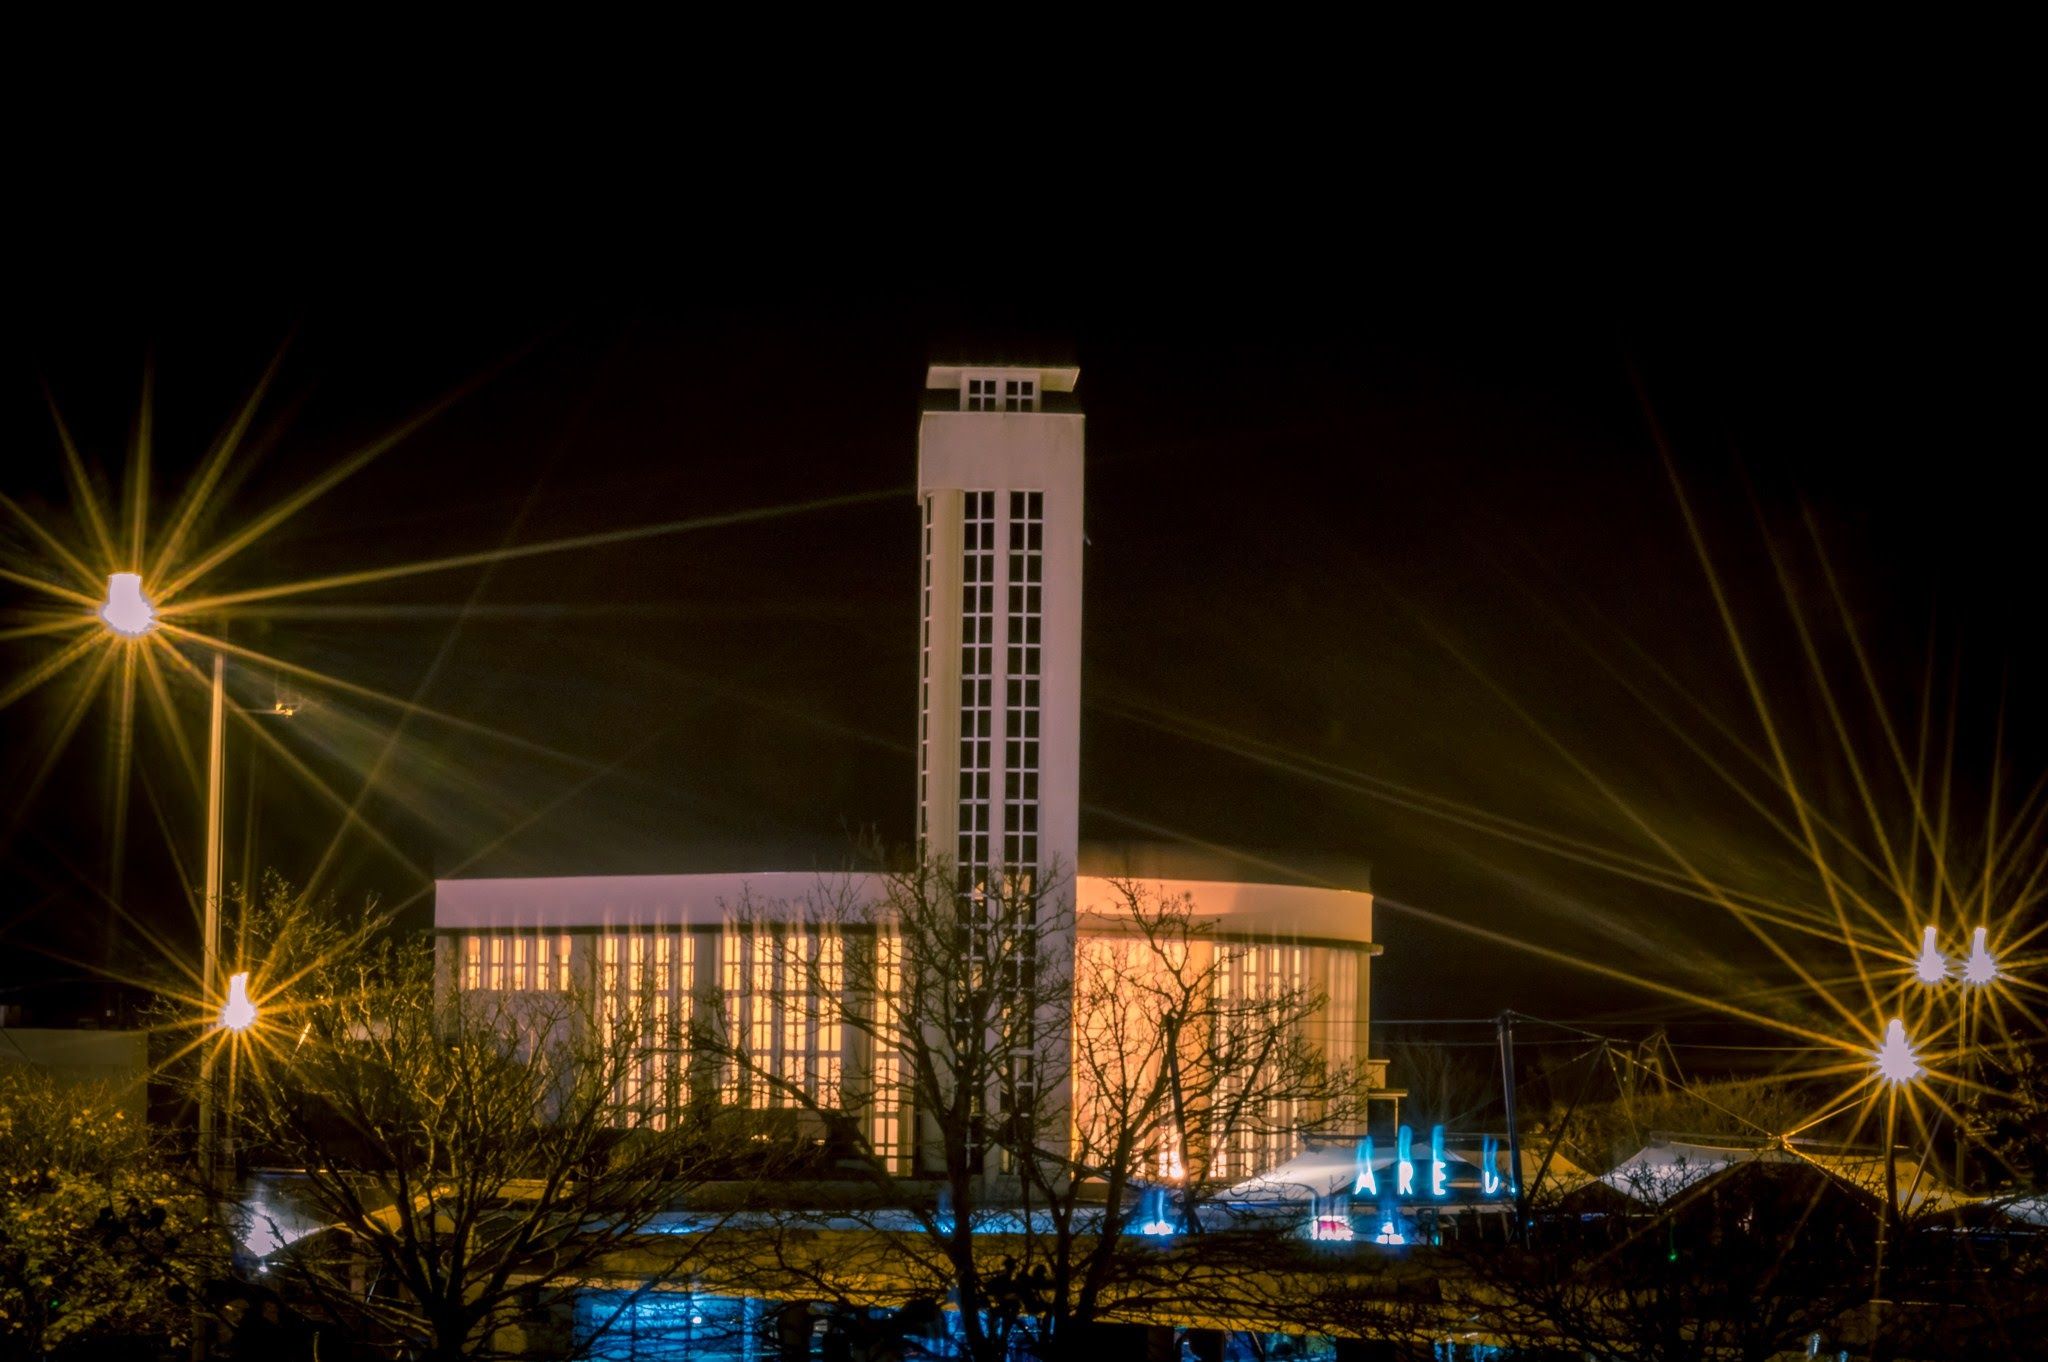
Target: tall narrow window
x=924, y=691
x=472, y=962
x=977, y=682
x=732, y=993
x=1021, y=683
x=763, y=1001
x=885, y=1103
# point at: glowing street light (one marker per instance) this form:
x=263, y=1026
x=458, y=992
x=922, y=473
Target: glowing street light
x=238, y=1013
x=1980, y=968
x=1896, y=1062
x=126, y=610
x=1932, y=966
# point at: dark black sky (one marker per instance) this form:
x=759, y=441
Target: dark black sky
x=1350, y=500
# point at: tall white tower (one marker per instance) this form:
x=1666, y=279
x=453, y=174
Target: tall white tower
x=999, y=474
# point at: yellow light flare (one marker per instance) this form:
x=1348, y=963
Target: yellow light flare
x=511, y=553
x=65, y=558
x=404, y=706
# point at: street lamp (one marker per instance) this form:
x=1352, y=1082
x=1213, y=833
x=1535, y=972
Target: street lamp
x=238, y=1013
x=128, y=612
x=1932, y=966
x=1896, y=1064
x=1980, y=968
x=1975, y=972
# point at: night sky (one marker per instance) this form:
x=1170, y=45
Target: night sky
x=1355, y=523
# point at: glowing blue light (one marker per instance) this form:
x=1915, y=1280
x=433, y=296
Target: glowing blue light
x=1436, y=1161
x=1489, y=1155
x=1156, y=1222
x=1367, y=1183
x=1389, y=1233
x=1404, y=1168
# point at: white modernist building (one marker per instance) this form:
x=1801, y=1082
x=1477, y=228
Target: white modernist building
x=1000, y=487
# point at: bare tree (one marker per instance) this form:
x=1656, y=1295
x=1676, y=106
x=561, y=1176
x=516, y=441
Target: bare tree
x=481, y=1156
x=1018, y=1103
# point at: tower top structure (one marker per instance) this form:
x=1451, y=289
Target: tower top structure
x=1046, y=378
x=1000, y=474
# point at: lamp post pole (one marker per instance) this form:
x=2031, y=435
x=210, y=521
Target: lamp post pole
x=1878, y=1303
x=128, y=612
x=1504, y=1029
x=209, y=970
x=1896, y=1064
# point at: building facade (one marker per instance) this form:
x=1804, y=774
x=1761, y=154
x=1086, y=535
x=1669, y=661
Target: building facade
x=1000, y=499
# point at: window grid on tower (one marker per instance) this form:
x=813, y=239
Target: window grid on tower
x=1019, y=395
x=924, y=689
x=977, y=681
x=981, y=394
x=1021, y=687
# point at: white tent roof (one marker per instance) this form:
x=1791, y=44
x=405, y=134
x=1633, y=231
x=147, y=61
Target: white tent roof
x=1664, y=1168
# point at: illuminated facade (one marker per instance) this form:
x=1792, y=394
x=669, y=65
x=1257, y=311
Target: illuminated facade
x=1000, y=483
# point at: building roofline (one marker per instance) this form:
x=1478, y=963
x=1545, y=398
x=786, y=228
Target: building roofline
x=1052, y=378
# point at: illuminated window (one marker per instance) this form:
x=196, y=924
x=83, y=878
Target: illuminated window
x=1256, y=1134
x=644, y=1008
x=885, y=1102
x=977, y=683
x=924, y=689
x=783, y=992
x=765, y=999
x=551, y=963
x=1021, y=678
x=732, y=994
x=515, y=962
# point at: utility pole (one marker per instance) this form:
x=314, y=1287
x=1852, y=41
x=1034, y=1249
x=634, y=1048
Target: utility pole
x=1504, y=1028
